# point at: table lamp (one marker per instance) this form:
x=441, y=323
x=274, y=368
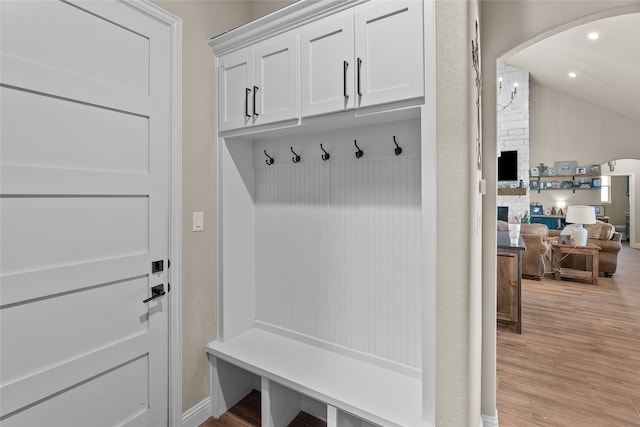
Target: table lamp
x=580, y=215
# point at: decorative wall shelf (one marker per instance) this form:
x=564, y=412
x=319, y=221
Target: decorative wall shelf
x=512, y=191
x=565, y=182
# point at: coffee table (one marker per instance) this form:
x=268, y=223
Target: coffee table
x=592, y=260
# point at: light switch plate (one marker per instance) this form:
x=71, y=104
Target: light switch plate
x=198, y=221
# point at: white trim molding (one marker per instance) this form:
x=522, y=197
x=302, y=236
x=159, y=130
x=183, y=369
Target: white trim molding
x=175, y=227
x=296, y=14
x=198, y=414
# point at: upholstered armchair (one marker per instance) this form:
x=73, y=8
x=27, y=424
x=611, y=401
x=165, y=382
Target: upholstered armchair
x=536, y=259
x=607, y=238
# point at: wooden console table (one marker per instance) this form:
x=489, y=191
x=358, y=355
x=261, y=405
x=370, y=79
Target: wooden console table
x=509, y=282
x=592, y=260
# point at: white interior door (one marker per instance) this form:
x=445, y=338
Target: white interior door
x=83, y=212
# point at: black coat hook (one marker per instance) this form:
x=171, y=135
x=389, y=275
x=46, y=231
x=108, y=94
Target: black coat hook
x=398, y=149
x=359, y=153
x=270, y=160
x=326, y=156
x=296, y=157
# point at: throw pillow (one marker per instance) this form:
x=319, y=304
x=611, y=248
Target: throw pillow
x=607, y=231
x=594, y=231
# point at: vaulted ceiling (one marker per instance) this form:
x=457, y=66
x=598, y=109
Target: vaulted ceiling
x=607, y=69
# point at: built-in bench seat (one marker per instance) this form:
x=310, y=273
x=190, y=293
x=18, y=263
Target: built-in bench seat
x=283, y=367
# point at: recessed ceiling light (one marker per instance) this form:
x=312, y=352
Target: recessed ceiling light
x=572, y=75
x=593, y=36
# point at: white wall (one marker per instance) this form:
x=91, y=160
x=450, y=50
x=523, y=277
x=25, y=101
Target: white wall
x=566, y=128
x=458, y=290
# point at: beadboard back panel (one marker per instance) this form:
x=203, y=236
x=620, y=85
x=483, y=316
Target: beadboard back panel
x=338, y=245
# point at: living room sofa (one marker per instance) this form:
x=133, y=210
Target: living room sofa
x=607, y=238
x=536, y=259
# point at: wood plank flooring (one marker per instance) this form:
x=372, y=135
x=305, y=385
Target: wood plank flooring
x=577, y=362
x=246, y=413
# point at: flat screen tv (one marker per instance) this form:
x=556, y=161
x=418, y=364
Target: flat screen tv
x=503, y=213
x=508, y=166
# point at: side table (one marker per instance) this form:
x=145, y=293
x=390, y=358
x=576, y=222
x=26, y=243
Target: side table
x=592, y=260
x=509, y=282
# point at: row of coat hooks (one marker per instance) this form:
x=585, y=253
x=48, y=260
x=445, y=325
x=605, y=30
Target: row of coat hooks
x=326, y=156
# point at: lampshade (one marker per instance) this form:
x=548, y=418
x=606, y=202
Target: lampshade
x=581, y=215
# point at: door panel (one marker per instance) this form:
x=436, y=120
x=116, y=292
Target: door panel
x=115, y=409
x=77, y=405
x=84, y=210
x=46, y=32
x=87, y=137
x=71, y=230
x=113, y=317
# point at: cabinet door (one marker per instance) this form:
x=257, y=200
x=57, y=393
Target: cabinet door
x=389, y=52
x=508, y=287
x=234, y=90
x=276, y=82
x=327, y=66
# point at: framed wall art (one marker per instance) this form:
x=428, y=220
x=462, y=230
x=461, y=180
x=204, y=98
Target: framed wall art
x=567, y=167
x=536, y=210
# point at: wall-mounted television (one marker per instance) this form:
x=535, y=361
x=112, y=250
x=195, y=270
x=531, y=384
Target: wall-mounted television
x=503, y=213
x=508, y=166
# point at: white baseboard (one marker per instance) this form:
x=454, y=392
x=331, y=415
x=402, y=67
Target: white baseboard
x=490, y=420
x=198, y=414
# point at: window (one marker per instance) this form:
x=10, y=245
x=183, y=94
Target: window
x=605, y=190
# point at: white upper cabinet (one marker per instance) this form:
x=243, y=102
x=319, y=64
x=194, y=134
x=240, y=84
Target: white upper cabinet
x=369, y=56
x=327, y=67
x=389, y=52
x=259, y=85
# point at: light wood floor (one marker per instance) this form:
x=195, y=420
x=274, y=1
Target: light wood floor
x=577, y=362
x=246, y=413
